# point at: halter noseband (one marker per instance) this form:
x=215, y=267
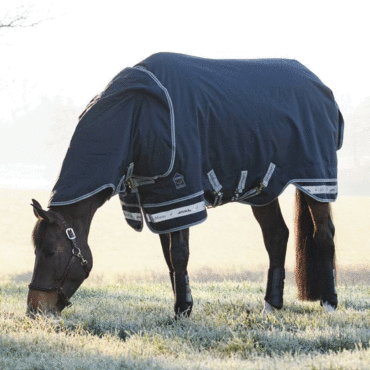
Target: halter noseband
x=76, y=253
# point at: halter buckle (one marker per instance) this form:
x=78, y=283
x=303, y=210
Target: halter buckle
x=70, y=233
x=77, y=252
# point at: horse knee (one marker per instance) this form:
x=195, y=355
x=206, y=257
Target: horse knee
x=282, y=236
x=276, y=241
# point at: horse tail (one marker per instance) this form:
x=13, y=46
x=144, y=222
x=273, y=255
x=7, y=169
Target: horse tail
x=307, y=270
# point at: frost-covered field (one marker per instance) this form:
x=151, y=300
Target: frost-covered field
x=122, y=316
x=130, y=326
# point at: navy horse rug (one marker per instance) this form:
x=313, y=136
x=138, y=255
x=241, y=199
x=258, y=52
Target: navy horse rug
x=176, y=134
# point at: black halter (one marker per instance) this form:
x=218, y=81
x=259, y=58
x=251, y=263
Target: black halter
x=76, y=253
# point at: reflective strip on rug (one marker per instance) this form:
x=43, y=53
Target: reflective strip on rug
x=132, y=216
x=321, y=189
x=177, y=212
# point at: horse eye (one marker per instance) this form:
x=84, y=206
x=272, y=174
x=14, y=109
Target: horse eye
x=49, y=253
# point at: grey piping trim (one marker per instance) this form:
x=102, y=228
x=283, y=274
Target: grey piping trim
x=88, y=195
x=313, y=180
x=172, y=118
x=173, y=201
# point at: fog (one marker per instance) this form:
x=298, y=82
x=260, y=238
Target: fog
x=35, y=139
x=50, y=72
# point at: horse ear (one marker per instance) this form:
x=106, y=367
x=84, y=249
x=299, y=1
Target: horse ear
x=40, y=213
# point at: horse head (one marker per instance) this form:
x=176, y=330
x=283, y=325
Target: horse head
x=63, y=261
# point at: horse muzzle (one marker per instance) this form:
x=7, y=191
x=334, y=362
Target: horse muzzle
x=41, y=302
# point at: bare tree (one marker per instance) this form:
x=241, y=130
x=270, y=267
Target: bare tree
x=22, y=16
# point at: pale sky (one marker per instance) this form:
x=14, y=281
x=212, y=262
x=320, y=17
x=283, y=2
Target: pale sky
x=87, y=43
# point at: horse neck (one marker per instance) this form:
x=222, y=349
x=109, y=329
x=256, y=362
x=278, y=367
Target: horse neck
x=79, y=215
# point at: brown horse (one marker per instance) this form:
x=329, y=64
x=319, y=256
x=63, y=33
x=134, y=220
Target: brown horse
x=64, y=259
x=175, y=134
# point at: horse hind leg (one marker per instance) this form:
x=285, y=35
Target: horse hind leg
x=176, y=251
x=323, y=236
x=275, y=235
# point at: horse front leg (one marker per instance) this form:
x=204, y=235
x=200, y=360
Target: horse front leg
x=176, y=251
x=275, y=235
x=166, y=246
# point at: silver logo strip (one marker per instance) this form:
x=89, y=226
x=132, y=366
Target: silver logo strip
x=177, y=212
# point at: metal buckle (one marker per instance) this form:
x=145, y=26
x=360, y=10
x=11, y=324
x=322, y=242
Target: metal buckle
x=260, y=187
x=218, y=198
x=70, y=233
x=79, y=255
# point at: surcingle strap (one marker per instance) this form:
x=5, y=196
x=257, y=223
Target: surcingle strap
x=241, y=185
x=216, y=188
x=242, y=181
x=264, y=183
x=268, y=175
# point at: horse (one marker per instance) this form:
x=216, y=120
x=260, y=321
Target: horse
x=285, y=127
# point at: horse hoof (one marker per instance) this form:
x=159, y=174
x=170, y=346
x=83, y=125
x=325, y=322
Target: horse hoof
x=328, y=307
x=183, y=311
x=268, y=309
x=182, y=315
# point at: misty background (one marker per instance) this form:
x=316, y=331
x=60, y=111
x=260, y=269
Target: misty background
x=51, y=71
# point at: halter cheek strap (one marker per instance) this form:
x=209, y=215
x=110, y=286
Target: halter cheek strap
x=76, y=253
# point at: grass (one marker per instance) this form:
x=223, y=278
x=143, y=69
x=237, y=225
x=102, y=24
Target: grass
x=122, y=316
x=130, y=326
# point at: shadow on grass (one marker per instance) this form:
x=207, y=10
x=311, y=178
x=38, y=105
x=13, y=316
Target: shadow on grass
x=345, y=276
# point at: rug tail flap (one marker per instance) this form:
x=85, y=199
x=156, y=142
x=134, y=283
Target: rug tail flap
x=321, y=190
